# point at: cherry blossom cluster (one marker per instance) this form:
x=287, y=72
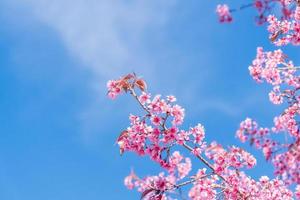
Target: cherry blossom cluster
x=206, y=187
x=262, y=189
x=158, y=135
x=157, y=132
x=284, y=155
x=263, y=7
x=284, y=28
x=283, y=32
x=275, y=69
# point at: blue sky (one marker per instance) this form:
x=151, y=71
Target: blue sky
x=58, y=129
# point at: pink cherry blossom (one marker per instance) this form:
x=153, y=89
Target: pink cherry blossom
x=113, y=89
x=159, y=134
x=224, y=13
x=144, y=98
x=297, y=193
x=156, y=133
x=297, y=13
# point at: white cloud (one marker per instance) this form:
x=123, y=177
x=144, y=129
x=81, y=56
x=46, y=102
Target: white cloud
x=106, y=35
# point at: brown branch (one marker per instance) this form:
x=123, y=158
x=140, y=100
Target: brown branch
x=242, y=7
x=133, y=93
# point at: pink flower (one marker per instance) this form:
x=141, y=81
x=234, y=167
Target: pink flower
x=182, y=136
x=297, y=192
x=297, y=13
x=171, y=98
x=275, y=96
x=129, y=180
x=258, y=4
x=198, y=133
x=197, y=151
x=264, y=179
x=176, y=158
x=203, y=190
x=224, y=13
x=155, y=120
x=184, y=168
x=144, y=98
x=178, y=113
x=113, y=89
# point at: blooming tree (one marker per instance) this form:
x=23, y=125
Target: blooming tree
x=274, y=67
x=157, y=133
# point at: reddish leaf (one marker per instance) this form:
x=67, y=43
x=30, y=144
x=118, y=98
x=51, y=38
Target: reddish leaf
x=123, y=135
x=120, y=142
x=125, y=86
x=251, y=141
x=128, y=77
x=121, y=151
x=141, y=84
